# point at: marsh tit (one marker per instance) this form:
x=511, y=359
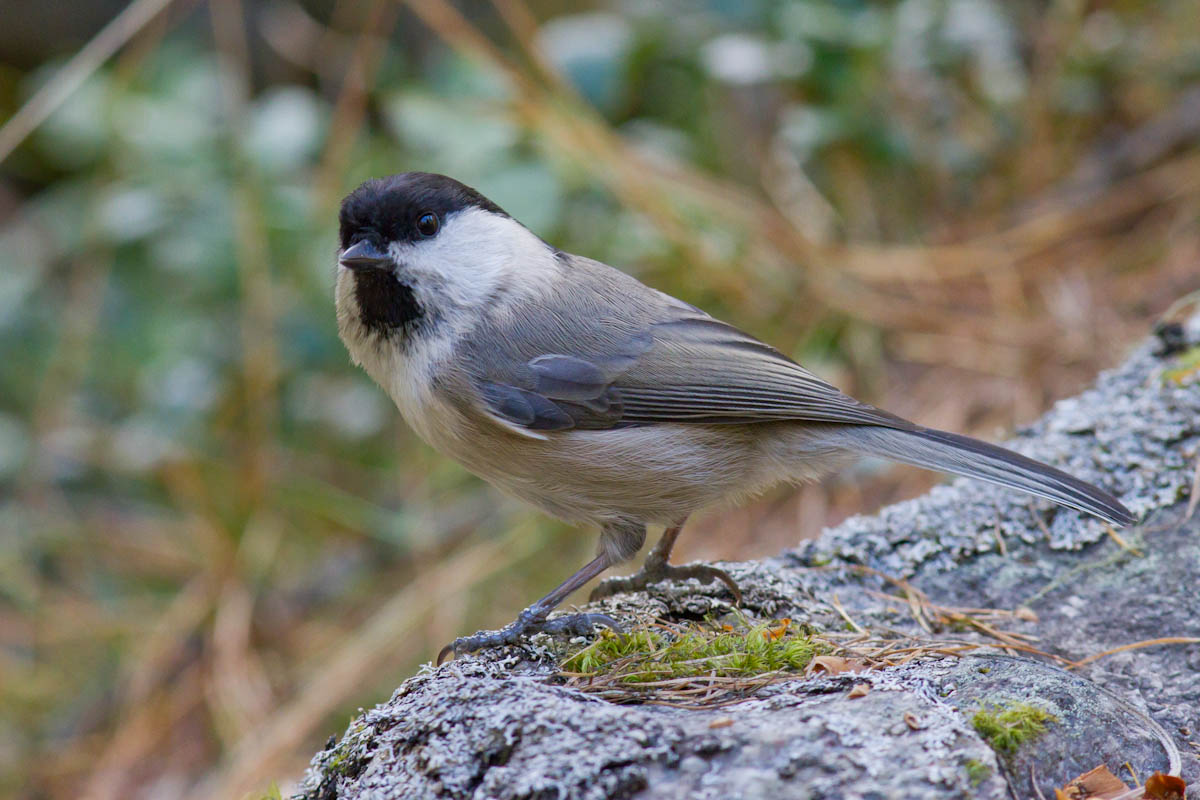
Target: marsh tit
x=596, y=398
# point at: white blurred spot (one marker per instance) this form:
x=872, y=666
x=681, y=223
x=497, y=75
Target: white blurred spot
x=979, y=27
x=161, y=128
x=805, y=129
x=583, y=37
x=67, y=449
x=834, y=24
x=737, y=58
x=284, y=130
x=350, y=406
x=459, y=139
x=139, y=446
x=1103, y=31
x=187, y=384
x=126, y=215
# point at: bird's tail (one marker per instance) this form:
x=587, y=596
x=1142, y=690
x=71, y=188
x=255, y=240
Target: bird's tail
x=962, y=455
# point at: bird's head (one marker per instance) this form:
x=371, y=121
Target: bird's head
x=418, y=251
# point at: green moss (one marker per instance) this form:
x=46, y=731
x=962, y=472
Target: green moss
x=659, y=652
x=336, y=763
x=1007, y=726
x=1187, y=366
x=271, y=793
x=977, y=771
x=342, y=763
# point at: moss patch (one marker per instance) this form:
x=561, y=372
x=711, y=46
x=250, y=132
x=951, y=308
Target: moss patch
x=1186, y=366
x=664, y=657
x=661, y=652
x=977, y=771
x=1007, y=726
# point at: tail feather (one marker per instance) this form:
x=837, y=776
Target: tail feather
x=962, y=455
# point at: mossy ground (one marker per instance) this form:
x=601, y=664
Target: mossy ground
x=662, y=652
x=977, y=771
x=1006, y=726
x=1186, y=367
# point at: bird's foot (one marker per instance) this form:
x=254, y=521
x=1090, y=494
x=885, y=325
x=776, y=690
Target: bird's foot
x=528, y=622
x=653, y=573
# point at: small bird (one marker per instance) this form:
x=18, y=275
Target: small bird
x=596, y=398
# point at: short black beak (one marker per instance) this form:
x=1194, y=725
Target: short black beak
x=364, y=255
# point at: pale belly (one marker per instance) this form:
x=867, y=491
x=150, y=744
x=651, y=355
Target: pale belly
x=655, y=474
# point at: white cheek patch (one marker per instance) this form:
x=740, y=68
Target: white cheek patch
x=474, y=258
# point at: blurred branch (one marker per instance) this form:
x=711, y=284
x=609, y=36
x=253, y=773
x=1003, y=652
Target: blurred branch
x=839, y=273
x=524, y=26
x=58, y=89
x=68, y=364
x=574, y=128
x=842, y=275
x=142, y=701
x=233, y=51
x=1141, y=148
x=351, y=107
x=359, y=659
x=300, y=39
x=140, y=732
x=260, y=359
x=238, y=692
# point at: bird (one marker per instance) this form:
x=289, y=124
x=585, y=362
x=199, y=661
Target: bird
x=596, y=398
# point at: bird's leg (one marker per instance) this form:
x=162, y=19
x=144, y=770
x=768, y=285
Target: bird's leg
x=657, y=569
x=533, y=619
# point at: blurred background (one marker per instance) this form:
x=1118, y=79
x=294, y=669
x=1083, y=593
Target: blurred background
x=217, y=539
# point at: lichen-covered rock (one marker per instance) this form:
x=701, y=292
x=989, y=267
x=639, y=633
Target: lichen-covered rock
x=497, y=725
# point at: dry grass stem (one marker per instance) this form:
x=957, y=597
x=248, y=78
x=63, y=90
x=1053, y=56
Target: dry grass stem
x=1135, y=646
x=83, y=64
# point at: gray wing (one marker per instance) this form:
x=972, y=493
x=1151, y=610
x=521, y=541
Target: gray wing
x=562, y=392
x=596, y=363
x=706, y=371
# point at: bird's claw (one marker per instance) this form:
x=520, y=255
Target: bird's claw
x=648, y=575
x=528, y=622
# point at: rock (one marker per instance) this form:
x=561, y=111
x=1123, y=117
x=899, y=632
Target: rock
x=499, y=725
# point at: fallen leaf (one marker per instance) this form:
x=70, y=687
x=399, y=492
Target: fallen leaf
x=835, y=665
x=1165, y=787
x=913, y=721
x=779, y=631
x=721, y=722
x=1025, y=613
x=1095, y=784
x=859, y=690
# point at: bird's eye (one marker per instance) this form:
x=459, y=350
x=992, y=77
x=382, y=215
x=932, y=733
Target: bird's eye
x=427, y=224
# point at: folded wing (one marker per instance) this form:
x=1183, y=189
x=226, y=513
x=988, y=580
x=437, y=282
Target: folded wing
x=689, y=368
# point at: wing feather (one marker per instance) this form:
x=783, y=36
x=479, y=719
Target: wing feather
x=605, y=358
x=702, y=370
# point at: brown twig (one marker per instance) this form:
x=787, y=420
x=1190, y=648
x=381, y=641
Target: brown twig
x=356, y=659
x=86, y=61
x=1135, y=646
x=350, y=109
